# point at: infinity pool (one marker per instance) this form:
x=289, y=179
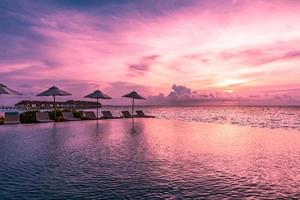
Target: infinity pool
x=152, y=158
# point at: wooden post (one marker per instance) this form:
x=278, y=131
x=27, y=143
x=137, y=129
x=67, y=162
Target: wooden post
x=97, y=107
x=132, y=107
x=54, y=108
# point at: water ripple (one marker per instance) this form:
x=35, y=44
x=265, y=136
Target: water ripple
x=162, y=159
x=262, y=117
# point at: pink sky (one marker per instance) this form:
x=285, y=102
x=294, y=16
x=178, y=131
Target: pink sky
x=197, y=52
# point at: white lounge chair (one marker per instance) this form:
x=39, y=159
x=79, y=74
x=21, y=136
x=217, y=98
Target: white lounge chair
x=90, y=115
x=68, y=116
x=43, y=117
x=127, y=114
x=141, y=113
x=11, y=118
x=108, y=115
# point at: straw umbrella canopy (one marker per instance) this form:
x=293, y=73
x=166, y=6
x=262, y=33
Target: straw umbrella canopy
x=133, y=95
x=54, y=91
x=5, y=90
x=97, y=95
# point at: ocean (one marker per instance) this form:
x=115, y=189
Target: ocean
x=254, y=116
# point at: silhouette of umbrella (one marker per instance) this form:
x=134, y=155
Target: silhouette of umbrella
x=97, y=95
x=5, y=90
x=133, y=95
x=54, y=91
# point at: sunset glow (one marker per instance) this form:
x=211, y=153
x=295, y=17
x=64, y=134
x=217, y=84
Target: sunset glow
x=195, y=51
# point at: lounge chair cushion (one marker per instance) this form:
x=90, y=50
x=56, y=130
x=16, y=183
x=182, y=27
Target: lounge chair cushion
x=108, y=115
x=90, y=115
x=140, y=113
x=126, y=114
x=12, y=118
x=68, y=116
x=43, y=117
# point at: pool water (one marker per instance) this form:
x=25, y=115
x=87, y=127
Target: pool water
x=150, y=158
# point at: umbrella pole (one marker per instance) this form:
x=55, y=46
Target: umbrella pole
x=54, y=107
x=132, y=107
x=97, y=107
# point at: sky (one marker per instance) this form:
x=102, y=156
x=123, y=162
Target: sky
x=174, y=52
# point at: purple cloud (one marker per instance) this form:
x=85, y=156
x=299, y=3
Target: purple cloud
x=180, y=90
x=142, y=66
x=182, y=95
x=261, y=55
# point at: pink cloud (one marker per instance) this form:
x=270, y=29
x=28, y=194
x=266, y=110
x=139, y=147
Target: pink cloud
x=245, y=47
x=142, y=66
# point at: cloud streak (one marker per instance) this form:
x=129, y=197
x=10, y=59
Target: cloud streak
x=142, y=66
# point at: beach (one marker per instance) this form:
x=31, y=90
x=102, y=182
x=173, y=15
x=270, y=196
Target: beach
x=148, y=158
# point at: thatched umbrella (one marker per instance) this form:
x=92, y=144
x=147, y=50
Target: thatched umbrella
x=133, y=95
x=54, y=91
x=5, y=90
x=97, y=95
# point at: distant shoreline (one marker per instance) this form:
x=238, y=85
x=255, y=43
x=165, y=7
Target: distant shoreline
x=184, y=106
x=172, y=106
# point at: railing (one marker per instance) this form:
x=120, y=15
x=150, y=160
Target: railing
x=9, y=108
x=23, y=108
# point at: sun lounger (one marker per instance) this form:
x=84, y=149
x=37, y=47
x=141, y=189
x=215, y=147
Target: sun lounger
x=11, y=118
x=68, y=116
x=108, y=115
x=90, y=115
x=140, y=113
x=43, y=117
x=127, y=114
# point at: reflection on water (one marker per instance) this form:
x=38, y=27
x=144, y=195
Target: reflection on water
x=136, y=126
x=147, y=158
